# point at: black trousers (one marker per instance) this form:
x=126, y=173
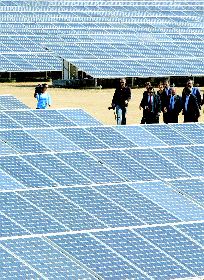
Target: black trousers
x=172, y=117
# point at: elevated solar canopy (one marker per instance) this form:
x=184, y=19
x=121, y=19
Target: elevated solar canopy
x=74, y=204
x=103, y=38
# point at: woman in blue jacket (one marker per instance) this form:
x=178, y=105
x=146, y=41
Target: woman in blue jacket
x=43, y=98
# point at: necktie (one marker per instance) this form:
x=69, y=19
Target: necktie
x=172, y=102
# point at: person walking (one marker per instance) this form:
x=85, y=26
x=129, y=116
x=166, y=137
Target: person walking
x=152, y=106
x=43, y=98
x=120, y=100
x=190, y=106
x=143, y=120
x=164, y=99
x=174, y=106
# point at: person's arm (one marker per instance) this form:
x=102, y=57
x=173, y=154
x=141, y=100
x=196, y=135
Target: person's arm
x=113, y=103
x=49, y=100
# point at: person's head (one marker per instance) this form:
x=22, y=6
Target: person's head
x=44, y=87
x=147, y=85
x=122, y=82
x=173, y=90
x=160, y=86
x=188, y=91
x=150, y=90
x=190, y=83
x=166, y=83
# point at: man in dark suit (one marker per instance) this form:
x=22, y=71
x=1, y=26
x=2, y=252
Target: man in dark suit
x=151, y=105
x=194, y=91
x=164, y=99
x=174, y=106
x=147, y=85
x=190, y=106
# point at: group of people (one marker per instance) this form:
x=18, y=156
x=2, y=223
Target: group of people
x=165, y=100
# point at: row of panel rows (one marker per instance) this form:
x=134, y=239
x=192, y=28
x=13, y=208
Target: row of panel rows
x=79, y=208
x=100, y=167
x=56, y=137
x=165, y=252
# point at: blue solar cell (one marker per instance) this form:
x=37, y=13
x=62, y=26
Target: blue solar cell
x=79, y=117
x=144, y=255
x=97, y=256
x=98, y=205
x=9, y=183
x=92, y=168
x=61, y=173
x=69, y=214
x=174, y=202
x=157, y=164
x=194, y=231
x=167, y=135
x=136, y=203
x=9, y=102
x=6, y=122
x=182, y=158
x=25, y=173
x=21, y=141
x=192, y=131
x=54, y=140
x=13, y=269
x=53, y=118
x=48, y=261
x=193, y=188
x=123, y=165
x=9, y=227
x=27, y=119
x=178, y=246
x=82, y=138
x=197, y=151
x=28, y=216
x=140, y=136
x=111, y=137
x=5, y=149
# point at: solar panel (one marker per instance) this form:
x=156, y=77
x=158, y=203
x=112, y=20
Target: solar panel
x=13, y=268
x=194, y=133
x=42, y=257
x=80, y=117
x=168, y=136
x=60, y=172
x=193, y=188
x=54, y=140
x=108, y=268
x=24, y=173
x=27, y=118
x=104, y=32
x=145, y=260
x=125, y=166
x=74, y=204
x=82, y=138
x=178, y=246
x=6, y=122
x=160, y=166
x=20, y=141
x=53, y=118
x=177, y=204
x=90, y=167
x=140, y=136
x=9, y=102
x=182, y=158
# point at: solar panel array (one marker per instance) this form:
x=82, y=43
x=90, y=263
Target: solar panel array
x=103, y=38
x=99, y=202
